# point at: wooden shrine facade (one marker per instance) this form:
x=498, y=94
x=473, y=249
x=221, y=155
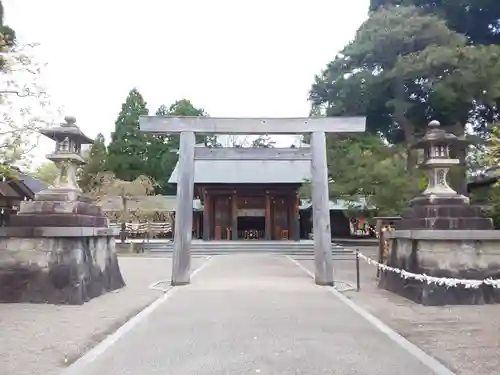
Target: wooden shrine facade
x=249, y=212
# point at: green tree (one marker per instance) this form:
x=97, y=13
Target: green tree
x=163, y=149
x=184, y=107
x=477, y=19
x=490, y=159
x=127, y=151
x=366, y=167
x=96, y=164
x=404, y=68
x=47, y=173
x=161, y=158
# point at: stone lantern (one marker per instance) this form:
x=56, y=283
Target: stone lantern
x=439, y=206
x=442, y=236
x=60, y=247
x=67, y=155
x=437, y=161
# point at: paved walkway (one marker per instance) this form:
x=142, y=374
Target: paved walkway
x=253, y=314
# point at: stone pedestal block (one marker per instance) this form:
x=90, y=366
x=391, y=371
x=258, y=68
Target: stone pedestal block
x=443, y=213
x=58, y=250
x=461, y=254
x=57, y=270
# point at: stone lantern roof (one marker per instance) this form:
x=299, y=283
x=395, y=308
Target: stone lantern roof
x=67, y=129
x=436, y=134
x=69, y=139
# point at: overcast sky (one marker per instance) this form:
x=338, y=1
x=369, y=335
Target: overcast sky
x=232, y=58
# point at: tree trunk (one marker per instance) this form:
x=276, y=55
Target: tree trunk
x=458, y=175
x=406, y=126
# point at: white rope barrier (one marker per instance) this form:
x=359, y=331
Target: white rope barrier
x=442, y=281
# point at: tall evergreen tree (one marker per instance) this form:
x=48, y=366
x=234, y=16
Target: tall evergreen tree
x=161, y=158
x=127, y=151
x=96, y=163
x=184, y=107
x=163, y=150
x=479, y=20
x=404, y=68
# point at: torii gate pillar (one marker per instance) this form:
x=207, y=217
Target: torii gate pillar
x=188, y=126
x=323, y=267
x=181, y=259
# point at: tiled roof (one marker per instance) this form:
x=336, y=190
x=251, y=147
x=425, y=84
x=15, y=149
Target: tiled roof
x=238, y=166
x=32, y=183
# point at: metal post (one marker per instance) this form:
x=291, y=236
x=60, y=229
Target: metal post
x=358, y=284
x=321, y=216
x=181, y=262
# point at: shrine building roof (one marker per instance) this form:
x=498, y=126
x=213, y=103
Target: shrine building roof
x=249, y=166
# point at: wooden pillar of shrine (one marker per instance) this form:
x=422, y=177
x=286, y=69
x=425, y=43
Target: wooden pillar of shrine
x=206, y=215
x=268, y=234
x=198, y=224
x=289, y=221
x=234, y=216
x=296, y=218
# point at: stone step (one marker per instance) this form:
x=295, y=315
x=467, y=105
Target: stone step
x=208, y=245
x=253, y=247
x=307, y=254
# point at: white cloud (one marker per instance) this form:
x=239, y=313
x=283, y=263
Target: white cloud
x=232, y=58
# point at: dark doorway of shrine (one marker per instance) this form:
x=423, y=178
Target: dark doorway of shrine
x=251, y=227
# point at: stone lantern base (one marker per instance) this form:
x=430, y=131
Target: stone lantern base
x=443, y=213
x=58, y=250
x=462, y=254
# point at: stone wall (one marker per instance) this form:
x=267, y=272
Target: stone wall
x=458, y=258
x=60, y=270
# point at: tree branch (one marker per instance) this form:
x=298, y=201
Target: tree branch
x=21, y=94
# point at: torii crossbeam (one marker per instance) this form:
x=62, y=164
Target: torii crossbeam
x=188, y=126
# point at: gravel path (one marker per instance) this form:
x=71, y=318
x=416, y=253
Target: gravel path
x=464, y=338
x=42, y=339
x=254, y=314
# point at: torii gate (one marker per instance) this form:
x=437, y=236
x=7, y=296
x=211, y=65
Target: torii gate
x=188, y=126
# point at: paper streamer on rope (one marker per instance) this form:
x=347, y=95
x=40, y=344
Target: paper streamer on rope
x=442, y=281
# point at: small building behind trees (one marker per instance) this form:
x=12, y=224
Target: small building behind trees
x=15, y=189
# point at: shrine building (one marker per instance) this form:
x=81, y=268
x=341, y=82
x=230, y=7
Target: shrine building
x=253, y=193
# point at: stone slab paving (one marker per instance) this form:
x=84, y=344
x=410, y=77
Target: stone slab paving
x=465, y=338
x=253, y=314
x=43, y=339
